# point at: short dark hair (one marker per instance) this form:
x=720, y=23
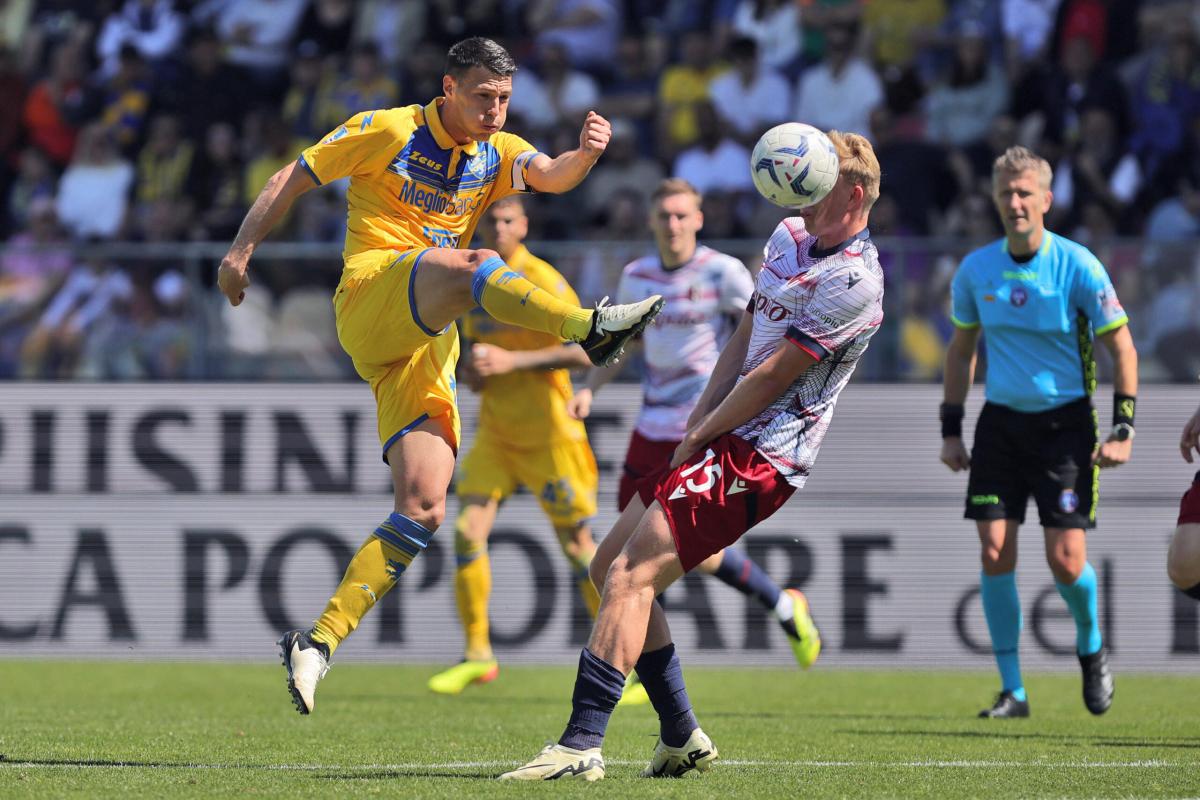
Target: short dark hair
x=479, y=52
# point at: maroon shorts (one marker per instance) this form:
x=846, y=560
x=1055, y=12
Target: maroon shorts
x=1189, y=506
x=645, y=457
x=715, y=496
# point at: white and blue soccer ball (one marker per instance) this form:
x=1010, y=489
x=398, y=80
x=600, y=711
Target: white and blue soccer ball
x=794, y=165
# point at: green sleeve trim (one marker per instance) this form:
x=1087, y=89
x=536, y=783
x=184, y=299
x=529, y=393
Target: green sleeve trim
x=958, y=323
x=1112, y=326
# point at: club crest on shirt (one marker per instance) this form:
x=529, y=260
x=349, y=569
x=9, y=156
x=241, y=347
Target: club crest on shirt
x=1019, y=296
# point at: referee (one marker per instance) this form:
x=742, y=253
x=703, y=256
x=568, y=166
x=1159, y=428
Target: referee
x=1041, y=299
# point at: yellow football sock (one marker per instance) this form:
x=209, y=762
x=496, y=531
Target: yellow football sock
x=472, y=588
x=511, y=298
x=591, y=597
x=580, y=561
x=373, y=571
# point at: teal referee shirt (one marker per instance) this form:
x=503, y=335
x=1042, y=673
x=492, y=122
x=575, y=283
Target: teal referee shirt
x=1039, y=318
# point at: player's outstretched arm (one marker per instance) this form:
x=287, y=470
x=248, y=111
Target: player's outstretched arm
x=957, y=376
x=557, y=175
x=1114, y=452
x=1190, y=440
x=488, y=360
x=761, y=387
x=580, y=405
x=725, y=373
x=269, y=207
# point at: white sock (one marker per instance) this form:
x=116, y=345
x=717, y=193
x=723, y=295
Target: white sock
x=785, y=607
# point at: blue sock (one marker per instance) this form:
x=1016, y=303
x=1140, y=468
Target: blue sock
x=741, y=573
x=1002, y=609
x=662, y=676
x=598, y=687
x=1081, y=599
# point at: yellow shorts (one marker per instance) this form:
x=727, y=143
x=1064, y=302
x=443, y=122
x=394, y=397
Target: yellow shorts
x=410, y=367
x=562, y=474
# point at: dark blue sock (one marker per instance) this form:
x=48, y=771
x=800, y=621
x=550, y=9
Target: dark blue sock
x=741, y=573
x=598, y=687
x=662, y=676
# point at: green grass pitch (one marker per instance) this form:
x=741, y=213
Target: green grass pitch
x=193, y=730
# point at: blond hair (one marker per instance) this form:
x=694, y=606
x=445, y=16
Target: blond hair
x=857, y=164
x=1016, y=160
x=669, y=186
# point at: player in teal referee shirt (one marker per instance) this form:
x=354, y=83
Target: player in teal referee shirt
x=1040, y=300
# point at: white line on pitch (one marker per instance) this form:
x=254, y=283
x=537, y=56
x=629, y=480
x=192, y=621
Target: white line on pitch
x=83, y=764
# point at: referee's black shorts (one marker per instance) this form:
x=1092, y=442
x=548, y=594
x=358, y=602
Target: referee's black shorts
x=1047, y=454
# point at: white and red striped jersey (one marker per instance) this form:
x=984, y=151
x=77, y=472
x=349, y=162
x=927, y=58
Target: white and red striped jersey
x=704, y=297
x=829, y=304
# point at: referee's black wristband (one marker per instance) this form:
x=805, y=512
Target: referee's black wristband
x=1123, y=407
x=951, y=415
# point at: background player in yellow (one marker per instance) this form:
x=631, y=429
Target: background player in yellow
x=420, y=179
x=520, y=374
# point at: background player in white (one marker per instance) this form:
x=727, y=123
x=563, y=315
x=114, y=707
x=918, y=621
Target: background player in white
x=757, y=428
x=705, y=293
x=1183, y=558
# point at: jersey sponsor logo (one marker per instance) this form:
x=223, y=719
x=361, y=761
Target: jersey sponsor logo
x=434, y=202
x=440, y=237
x=416, y=157
x=1019, y=296
x=710, y=473
x=768, y=308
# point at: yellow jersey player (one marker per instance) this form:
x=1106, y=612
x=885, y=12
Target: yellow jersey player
x=420, y=180
x=520, y=374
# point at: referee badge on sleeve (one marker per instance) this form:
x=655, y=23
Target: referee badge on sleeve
x=1068, y=501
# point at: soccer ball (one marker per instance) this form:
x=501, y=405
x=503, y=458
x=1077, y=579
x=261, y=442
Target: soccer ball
x=794, y=165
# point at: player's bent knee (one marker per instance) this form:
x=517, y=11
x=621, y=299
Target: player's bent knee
x=427, y=511
x=1183, y=557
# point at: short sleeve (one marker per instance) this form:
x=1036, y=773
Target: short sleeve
x=1092, y=293
x=842, y=306
x=964, y=313
x=515, y=156
x=364, y=145
x=736, y=288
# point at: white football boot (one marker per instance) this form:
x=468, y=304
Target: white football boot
x=613, y=326
x=306, y=664
x=697, y=753
x=558, y=762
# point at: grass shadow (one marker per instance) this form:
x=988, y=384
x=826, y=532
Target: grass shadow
x=1097, y=741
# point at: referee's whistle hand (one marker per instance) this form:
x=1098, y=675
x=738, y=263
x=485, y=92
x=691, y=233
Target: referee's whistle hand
x=954, y=454
x=1113, y=453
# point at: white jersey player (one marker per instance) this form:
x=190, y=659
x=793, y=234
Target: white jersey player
x=751, y=441
x=705, y=293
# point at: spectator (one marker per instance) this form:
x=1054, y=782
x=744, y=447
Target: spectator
x=1166, y=96
x=423, y=70
x=1173, y=320
x=12, y=96
x=92, y=292
x=215, y=186
x=749, y=98
x=682, y=87
x=34, y=182
x=588, y=30
x=774, y=27
x=396, y=27
x=258, y=35
x=715, y=162
x=632, y=91
x=1098, y=171
x=207, y=89
x=124, y=99
x=841, y=91
x=33, y=266
x=622, y=169
x=329, y=24
x=94, y=191
x=54, y=103
x=308, y=107
x=563, y=94
x=164, y=163
x=367, y=87
x=918, y=172
x=278, y=149
x=152, y=27
x=898, y=30
x=1178, y=216
x=1027, y=28
x=960, y=110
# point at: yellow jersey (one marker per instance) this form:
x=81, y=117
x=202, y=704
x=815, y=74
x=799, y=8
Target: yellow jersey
x=512, y=405
x=411, y=185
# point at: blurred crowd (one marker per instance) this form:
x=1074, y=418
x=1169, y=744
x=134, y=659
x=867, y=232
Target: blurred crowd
x=159, y=120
